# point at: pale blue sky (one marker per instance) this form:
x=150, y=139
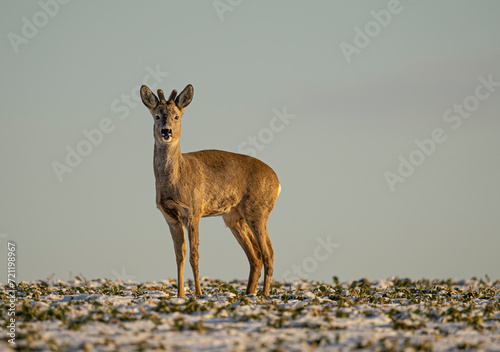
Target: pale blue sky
x=352, y=123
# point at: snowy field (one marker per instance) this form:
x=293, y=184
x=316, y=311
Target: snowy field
x=393, y=315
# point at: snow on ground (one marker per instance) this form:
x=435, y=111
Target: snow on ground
x=392, y=315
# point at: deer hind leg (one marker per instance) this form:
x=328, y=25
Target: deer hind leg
x=194, y=256
x=245, y=238
x=258, y=226
x=177, y=232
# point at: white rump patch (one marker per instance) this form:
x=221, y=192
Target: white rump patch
x=279, y=189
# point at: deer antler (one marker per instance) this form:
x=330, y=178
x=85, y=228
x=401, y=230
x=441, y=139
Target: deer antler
x=172, y=95
x=161, y=96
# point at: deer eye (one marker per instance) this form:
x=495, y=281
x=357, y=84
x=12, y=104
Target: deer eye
x=157, y=117
x=176, y=117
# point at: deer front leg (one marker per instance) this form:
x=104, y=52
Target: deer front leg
x=194, y=256
x=177, y=232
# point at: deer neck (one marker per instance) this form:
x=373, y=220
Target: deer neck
x=167, y=162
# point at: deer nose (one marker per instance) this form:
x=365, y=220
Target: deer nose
x=166, y=132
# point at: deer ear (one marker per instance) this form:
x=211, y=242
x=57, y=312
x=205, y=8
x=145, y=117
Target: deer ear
x=148, y=98
x=185, y=97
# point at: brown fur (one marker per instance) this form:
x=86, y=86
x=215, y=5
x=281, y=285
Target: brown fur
x=193, y=185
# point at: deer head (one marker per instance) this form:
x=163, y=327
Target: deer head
x=167, y=113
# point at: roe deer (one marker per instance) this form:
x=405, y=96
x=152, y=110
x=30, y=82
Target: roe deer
x=190, y=186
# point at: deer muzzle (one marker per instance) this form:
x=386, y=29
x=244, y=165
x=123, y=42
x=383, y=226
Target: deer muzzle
x=166, y=134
